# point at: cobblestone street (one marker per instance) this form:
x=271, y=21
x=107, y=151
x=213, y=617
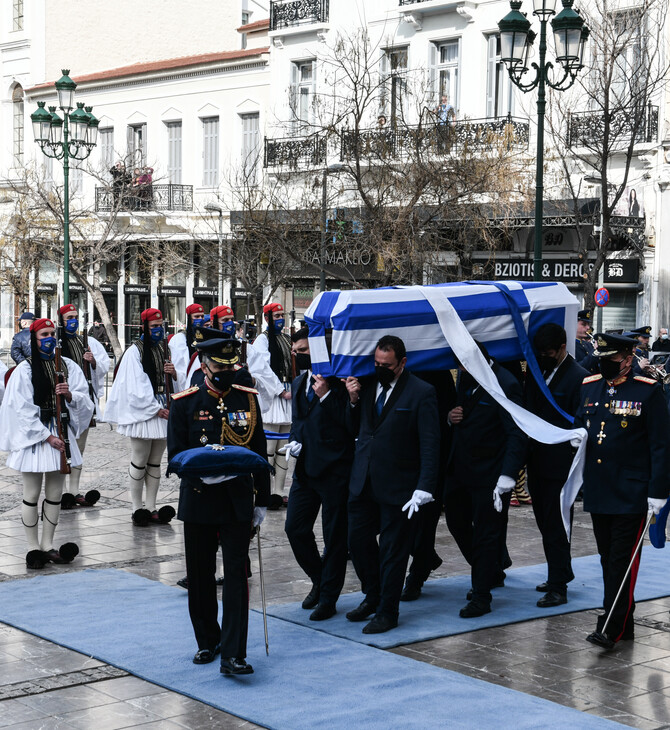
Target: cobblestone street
x=48, y=686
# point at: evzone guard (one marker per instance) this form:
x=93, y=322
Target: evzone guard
x=93, y=360
x=45, y=410
x=138, y=403
x=182, y=345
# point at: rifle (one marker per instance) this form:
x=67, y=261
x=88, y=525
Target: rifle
x=88, y=376
x=167, y=376
x=62, y=415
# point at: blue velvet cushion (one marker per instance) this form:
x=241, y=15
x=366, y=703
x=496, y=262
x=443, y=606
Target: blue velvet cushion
x=213, y=460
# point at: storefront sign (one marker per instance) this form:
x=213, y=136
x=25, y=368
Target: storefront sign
x=624, y=271
x=172, y=291
x=46, y=289
x=108, y=289
x=205, y=292
x=135, y=289
x=240, y=293
x=551, y=269
x=76, y=288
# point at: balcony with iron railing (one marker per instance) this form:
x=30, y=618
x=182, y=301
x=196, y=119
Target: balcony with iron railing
x=294, y=13
x=439, y=139
x=295, y=152
x=149, y=198
x=588, y=128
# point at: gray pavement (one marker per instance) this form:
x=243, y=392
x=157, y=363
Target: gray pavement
x=43, y=685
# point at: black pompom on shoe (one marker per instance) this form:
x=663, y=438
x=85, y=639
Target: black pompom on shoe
x=165, y=514
x=89, y=499
x=68, y=551
x=67, y=501
x=276, y=502
x=141, y=517
x=36, y=559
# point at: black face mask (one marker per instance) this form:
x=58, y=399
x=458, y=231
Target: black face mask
x=609, y=369
x=547, y=364
x=303, y=361
x=222, y=379
x=384, y=375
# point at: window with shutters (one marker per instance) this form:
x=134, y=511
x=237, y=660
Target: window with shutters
x=137, y=145
x=174, y=152
x=210, y=152
x=17, y=15
x=499, y=87
x=445, y=62
x=394, y=84
x=76, y=177
x=303, y=90
x=251, y=147
x=19, y=125
x=245, y=21
x=106, y=144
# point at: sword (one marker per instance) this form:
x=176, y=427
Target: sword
x=260, y=568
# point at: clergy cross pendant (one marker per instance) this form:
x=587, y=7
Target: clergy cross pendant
x=602, y=433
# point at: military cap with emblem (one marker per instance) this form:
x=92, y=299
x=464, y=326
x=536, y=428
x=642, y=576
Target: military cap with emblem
x=584, y=315
x=224, y=350
x=641, y=331
x=608, y=344
x=205, y=334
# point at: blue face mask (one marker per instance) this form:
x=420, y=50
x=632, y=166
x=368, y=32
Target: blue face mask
x=46, y=347
x=228, y=328
x=279, y=325
x=157, y=334
x=198, y=322
x=71, y=326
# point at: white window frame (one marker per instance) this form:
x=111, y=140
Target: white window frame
x=174, y=131
x=251, y=146
x=17, y=15
x=136, y=135
x=106, y=144
x=303, y=93
x=394, y=83
x=19, y=126
x=439, y=67
x=210, y=151
x=499, y=86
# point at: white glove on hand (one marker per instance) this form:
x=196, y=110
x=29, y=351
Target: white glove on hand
x=292, y=448
x=218, y=479
x=418, y=498
x=656, y=505
x=259, y=515
x=504, y=485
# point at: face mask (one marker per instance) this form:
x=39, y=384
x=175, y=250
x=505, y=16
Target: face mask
x=279, y=325
x=46, y=346
x=228, y=328
x=547, y=364
x=156, y=334
x=664, y=337
x=222, y=379
x=303, y=361
x=609, y=369
x=198, y=322
x=384, y=375
x=71, y=326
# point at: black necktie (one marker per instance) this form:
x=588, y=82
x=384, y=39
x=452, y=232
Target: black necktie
x=381, y=399
x=310, y=390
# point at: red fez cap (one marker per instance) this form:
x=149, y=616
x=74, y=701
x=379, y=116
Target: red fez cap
x=40, y=324
x=194, y=309
x=222, y=310
x=151, y=315
x=273, y=307
x=67, y=308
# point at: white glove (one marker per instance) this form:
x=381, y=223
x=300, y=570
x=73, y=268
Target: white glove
x=259, y=515
x=575, y=441
x=504, y=485
x=292, y=448
x=418, y=498
x=218, y=479
x=656, y=505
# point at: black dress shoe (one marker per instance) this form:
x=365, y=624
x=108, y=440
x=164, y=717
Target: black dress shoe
x=543, y=587
x=435, y=561
x=312, y=598
x=183, y=582
x=552, y=598
x=322, y=612
x=602, y=640
x=380, y=624
x=474, y=609
x=362, y=611
x=233, y=665
x=410, y=592
x=206, y=656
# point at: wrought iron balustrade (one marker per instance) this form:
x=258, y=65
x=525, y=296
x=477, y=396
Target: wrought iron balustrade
x=291, y=13
x=588, y=128
x=440, y=138
x=146, y=198
x=411, y=2
x=294, y=152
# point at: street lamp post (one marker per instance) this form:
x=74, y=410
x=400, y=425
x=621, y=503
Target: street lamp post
x=335, y=167
x=223, y=295
x=516, y=39
x=73, y=136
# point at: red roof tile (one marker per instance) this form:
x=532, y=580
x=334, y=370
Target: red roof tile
x=172, y=63
x=258, y=25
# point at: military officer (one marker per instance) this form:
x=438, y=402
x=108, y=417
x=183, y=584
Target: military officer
x=627, y=424
x=584, y=343
x=219, y=411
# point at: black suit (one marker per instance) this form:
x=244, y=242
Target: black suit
x=548, y=467
x=216, y=514
x=320, y=481
x=396, y=453
x=486, y=444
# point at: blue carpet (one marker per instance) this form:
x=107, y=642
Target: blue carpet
x=435, y=614
x=309, y=680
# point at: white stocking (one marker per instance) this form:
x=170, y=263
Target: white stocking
x=152, y=477
x=32, y=486
x=72, y=484
x=275, y=458
x=53, y=491
x=139, y=455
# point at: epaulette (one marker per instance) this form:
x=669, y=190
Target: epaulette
x=591, y=379
x=642, y=379
x=245, y=388
x=184, y=393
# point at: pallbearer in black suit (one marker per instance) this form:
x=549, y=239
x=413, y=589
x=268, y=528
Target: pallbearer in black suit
x=394, y=472
x=626, y=471
x=324, y=449
x=548, y=466
x=219, y=512
x=487, y=453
